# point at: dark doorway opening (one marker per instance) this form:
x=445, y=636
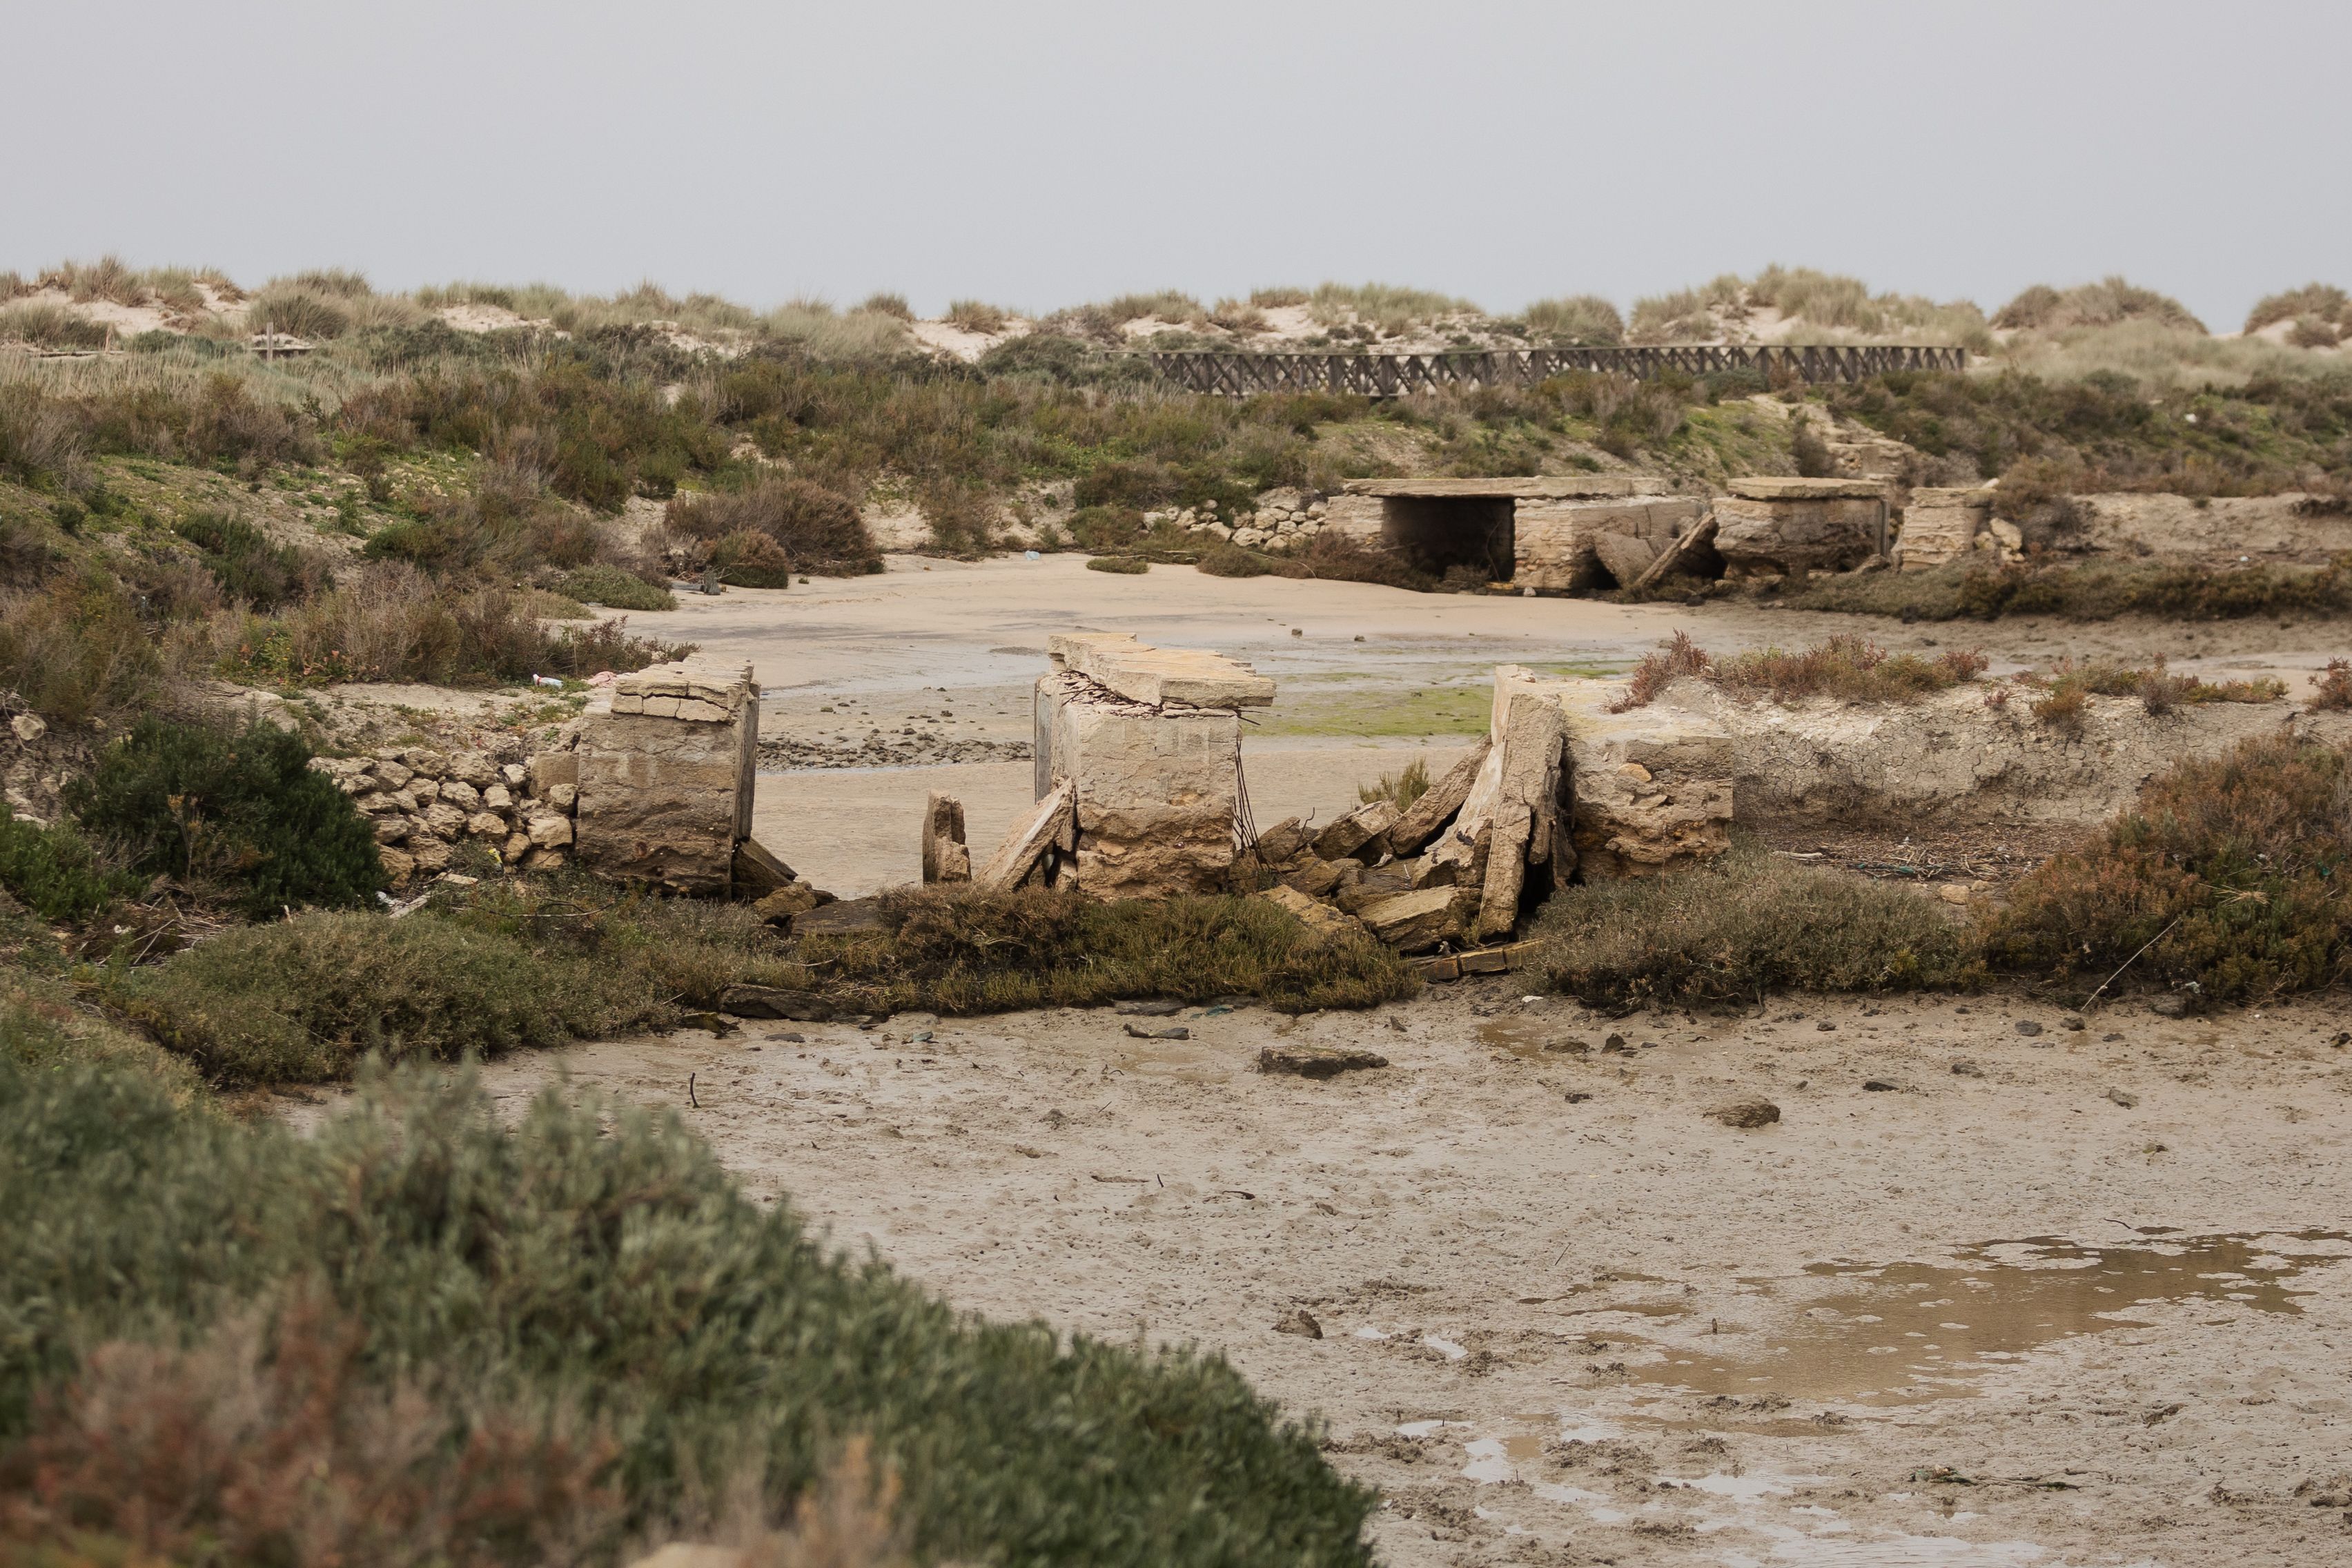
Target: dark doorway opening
x=1436, y=533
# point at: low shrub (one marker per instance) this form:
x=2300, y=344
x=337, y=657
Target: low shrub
x=1751, y=923
x=577, y=1324
x=2331, y=691
x=303, y=1000
x=1126, y=565
x=1335, y=558
x=818, y=529
x=2095, y=592
x=248, y=564
x=1226, y=559
x=602, y=583
x=955, y=950
x=2066, y=690
x=1847, y=667
x=977, y=316
x=55, y=872
x=241, y=809
x=2226, y=876
x=1577, y=321
x=77, y=650
x=749, y=560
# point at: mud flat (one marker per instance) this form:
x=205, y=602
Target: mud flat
x=1978, y=1297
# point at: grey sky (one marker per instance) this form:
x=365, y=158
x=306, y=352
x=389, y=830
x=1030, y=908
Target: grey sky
x=1039, y=154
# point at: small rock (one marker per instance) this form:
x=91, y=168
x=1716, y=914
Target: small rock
x=2073, y=1023
x=791, y=1038
x=29, y=727
x=1878, y=1085
x=1953, y=892
x=1174, y=1032
x=1578, y=1096
x=2027, y=1027
x=1967, y=1069
x=1160, y=1009
x=1302, y=1323
x=1317, y=1061
x=1745, y=1113
x=2124, y=1097
x=2171, y=1005
x=1824, y=1025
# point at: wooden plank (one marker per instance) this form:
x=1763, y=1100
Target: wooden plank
x=1691, y=538
x=1027, y=843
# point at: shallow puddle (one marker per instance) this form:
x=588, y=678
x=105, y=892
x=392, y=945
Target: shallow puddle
x=1901, y=1332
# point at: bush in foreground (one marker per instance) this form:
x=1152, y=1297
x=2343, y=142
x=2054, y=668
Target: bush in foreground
x=959, y=952
x=578, y=1323
x=242, y=809
x=1749, y=924
x=2227, y=875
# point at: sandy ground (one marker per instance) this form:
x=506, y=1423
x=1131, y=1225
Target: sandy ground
x=1565, y=1318
x=1978, y=1299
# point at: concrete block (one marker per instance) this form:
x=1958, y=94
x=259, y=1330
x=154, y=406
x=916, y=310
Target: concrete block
x=663, y=798
x=1831, y=533
x=1192, y=677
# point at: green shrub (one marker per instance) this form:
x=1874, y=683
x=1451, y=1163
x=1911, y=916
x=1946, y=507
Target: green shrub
x=244, y=809
x=599, y=583
x=302, y=1000
x=749, y=560
x=1748, y=924
x=54, y=871
x=589, y=1274
x=955, y=950
x=247, y=564
x=2227, y=875
x=1226, y=559
x=2095, y=592
x=1399, y=789
x=77, y=650
x=819, y=530
x=1126, y=565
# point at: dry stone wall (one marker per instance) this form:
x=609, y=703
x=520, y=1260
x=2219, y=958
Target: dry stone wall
x=426, y=804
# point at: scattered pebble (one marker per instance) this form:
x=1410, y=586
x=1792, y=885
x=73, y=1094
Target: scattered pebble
x=1745, y=1113
x=1878, y=1086
x=1172, y=1032
x=1302, y=1323
x=1967, y=1069
x=2124, y=1097
x=1316, y=1061
x=2027, y=1027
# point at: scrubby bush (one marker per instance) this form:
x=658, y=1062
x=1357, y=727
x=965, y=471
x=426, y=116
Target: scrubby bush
x=1748, y=924
x=819, y=530
x=241, y=809
x=749, y=560
x=977, y=316
x=48, y=326
x=1128, y=565
x=248, y=564
x=956, y=951
x=1578, y=320
x=2322, y=303
x=2042, y=308
x=575, y=1324
x=54, y=872
x=2095, y=592
x=1226, y=559
x=1847, y=667
x=2331, y=690
x=1399, y=789
x=304, y=999
x=2227, y=875
x=601, y=584
x=76, y=651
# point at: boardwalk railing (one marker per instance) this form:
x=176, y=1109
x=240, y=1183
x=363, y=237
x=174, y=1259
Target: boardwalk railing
x=1390, y=375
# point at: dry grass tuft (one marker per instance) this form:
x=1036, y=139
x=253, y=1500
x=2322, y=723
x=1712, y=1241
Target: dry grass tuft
x=1577, y=321
x=978, y=316
x=1399, y=789
x=2318, y=302
x=1849, y=668
x=2332, y=692
x=2109, y=301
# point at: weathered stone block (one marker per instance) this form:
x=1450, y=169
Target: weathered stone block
x=1650, y=788
x=1187, y=676
x=1943, y=525
x=1833, y=532
x=663, y=798
x=1154, y=795
x=546, y=772
x=1326, y=923
x=1412, y=922
x=1555, y=543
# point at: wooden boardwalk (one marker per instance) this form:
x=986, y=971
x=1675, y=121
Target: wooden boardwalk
x=1391, y=375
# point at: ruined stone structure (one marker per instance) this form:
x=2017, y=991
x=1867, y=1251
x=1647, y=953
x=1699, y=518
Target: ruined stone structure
x=1554, y=534
x=1770, y=526
x=1138, y=770
x=425, y=803
x=1944, y=525
x=665, y=768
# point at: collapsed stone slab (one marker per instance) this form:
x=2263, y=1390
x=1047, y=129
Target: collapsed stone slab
x=1649, y=791
x=1147, y=742
x=1769, y=526
x=665, y=761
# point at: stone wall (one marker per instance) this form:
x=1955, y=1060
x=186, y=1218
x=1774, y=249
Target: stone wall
x=665, y=768
x=425, y=803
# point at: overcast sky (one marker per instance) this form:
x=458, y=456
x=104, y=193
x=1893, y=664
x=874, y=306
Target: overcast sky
x=1038, y=154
